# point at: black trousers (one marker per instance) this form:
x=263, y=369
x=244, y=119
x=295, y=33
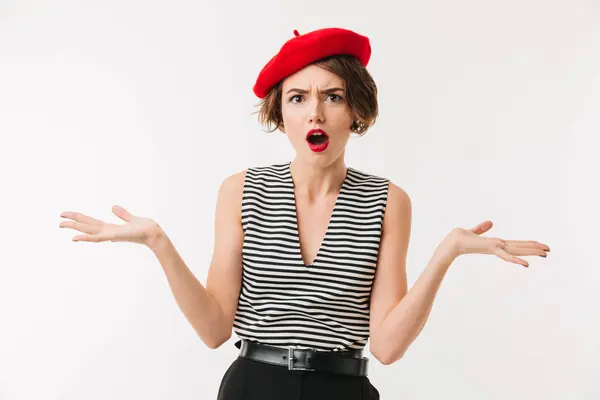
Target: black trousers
x=252, y=380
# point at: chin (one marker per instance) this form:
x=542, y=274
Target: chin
x=319, y=160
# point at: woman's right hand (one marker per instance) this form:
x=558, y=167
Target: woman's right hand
x=135, y=230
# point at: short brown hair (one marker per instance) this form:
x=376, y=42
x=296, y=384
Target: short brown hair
x=361, y=94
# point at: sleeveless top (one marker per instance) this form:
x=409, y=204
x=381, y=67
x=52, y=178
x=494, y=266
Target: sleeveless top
x=325, y=305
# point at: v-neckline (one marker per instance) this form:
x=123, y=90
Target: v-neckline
x=333, y=212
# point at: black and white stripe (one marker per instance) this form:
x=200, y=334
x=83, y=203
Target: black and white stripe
x=284, y=302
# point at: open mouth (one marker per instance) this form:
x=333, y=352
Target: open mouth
x=317, y=139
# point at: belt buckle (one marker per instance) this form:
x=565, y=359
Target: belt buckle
x=291, y=365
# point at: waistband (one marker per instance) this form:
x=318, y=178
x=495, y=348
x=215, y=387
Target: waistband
x=301, y=359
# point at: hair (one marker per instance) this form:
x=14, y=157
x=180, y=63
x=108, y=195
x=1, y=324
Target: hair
x=361, y=95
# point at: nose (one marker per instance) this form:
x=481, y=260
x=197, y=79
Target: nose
x=316, y=115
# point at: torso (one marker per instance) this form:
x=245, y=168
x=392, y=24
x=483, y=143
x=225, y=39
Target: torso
x=313, y=221
x=308, y=269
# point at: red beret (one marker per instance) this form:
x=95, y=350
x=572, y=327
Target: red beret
x=303, y=50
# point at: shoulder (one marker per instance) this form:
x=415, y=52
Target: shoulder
x=234, y=183
x=361, y=176
x=398, y=209
x=229, y=196
x=398, y=202
x=396, y=196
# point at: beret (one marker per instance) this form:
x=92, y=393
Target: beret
x=303, y=50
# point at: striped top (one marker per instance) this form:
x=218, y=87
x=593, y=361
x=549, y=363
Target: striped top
x=325, y=305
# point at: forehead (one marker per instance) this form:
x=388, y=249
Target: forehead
x=312, y=75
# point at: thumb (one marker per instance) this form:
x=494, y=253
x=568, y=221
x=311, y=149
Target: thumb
x=483, y=227
x=122, y=213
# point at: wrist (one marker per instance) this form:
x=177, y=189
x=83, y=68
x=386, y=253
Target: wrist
x=449, y=248
x=155, y=237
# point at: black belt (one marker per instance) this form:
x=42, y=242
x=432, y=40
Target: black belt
x=295, y=359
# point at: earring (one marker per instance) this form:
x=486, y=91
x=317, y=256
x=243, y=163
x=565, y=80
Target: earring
x=357, y=126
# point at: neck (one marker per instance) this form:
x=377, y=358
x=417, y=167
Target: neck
x=315, y=182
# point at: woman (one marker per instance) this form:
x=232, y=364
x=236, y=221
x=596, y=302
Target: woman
x=309, y=255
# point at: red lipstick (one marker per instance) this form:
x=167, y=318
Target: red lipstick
x=317, y=140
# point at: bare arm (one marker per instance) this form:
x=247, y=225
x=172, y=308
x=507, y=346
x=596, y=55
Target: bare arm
x=390, y=283
x=398, y=316
x=211, y=309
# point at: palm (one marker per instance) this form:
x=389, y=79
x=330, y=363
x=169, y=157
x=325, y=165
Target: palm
x=470, y=241
x=135, y=230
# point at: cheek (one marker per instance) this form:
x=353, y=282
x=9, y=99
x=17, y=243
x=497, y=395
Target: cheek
x=292, y=116
x=293, y=126
x=294, y=122
x=344, y=115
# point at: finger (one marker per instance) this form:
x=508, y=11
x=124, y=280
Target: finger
x=528, y=243
x=86, y=238
x=75, y=216
x=91, y=238
x=483, y=227
x=525, y=251
x=85, y=228
x=122, y=213
x=510, y=258
x=497, y=242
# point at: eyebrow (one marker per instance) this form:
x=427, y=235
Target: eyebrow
x=327, y=91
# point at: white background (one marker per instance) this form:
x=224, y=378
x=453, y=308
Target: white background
x=489, y=110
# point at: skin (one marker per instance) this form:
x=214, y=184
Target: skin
x=397, y=314
x=315, y=98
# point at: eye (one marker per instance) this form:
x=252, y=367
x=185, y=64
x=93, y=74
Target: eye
x=291, y=100
x=336, y=98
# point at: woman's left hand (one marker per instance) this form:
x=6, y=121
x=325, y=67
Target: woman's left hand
x=470, y=241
